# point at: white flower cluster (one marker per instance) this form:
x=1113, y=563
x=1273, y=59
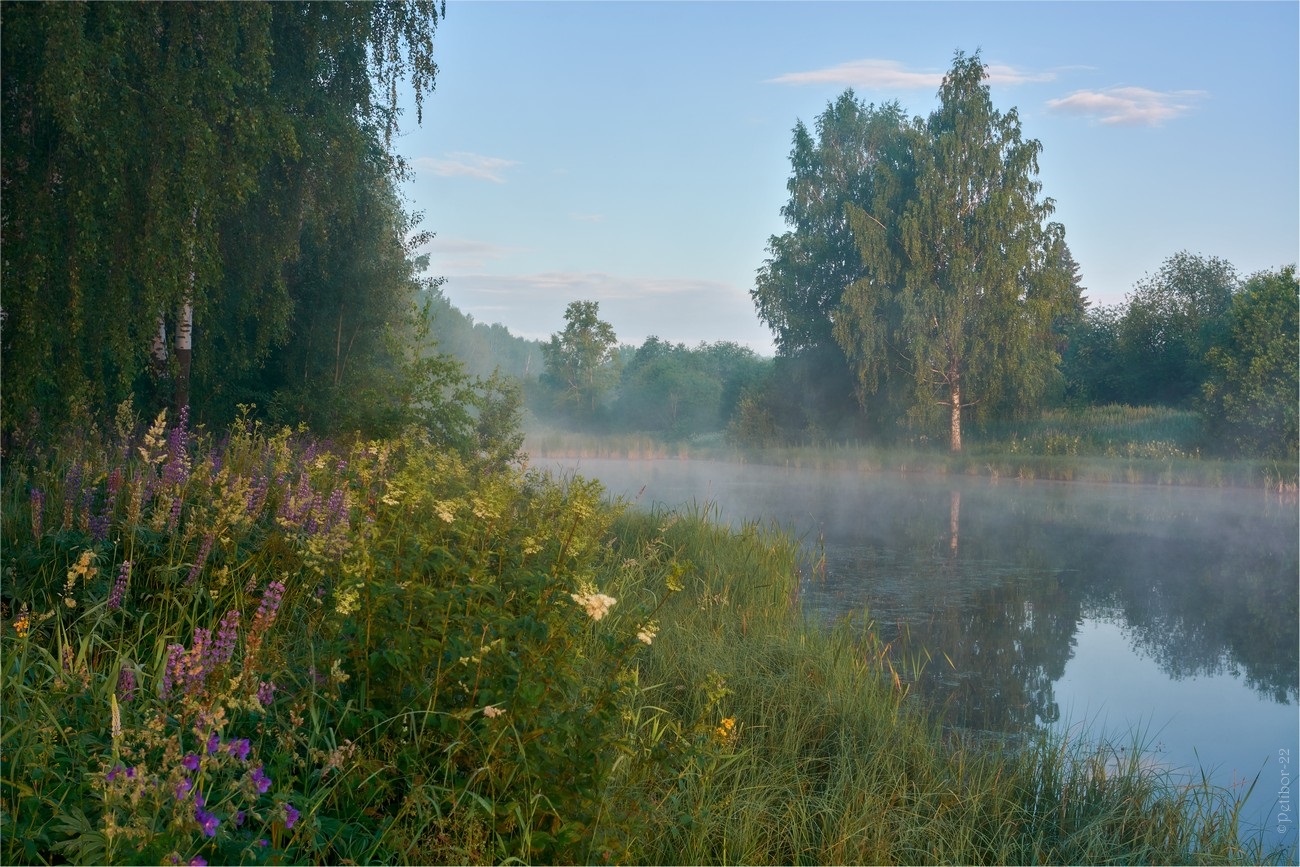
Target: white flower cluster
x=597, y=605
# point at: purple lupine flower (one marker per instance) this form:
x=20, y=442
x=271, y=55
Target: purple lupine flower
x=174, y=518
x=199, y=659
x=260, y=779
x=83, y=517
x=224, y=648
x=256, y=494
x=126, y=684
x=214, y=742
x=190, y=762
x=115, y=481
x=119, y=586
x=266, y=693
x=38, y=513
x=173, y=668
x=205, y=547
x=207, y=821
x=177, y=470
x=290, y=815
x=239, y=749
x=270, y=606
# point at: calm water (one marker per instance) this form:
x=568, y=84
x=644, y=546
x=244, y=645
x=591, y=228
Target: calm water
x=1103, y=609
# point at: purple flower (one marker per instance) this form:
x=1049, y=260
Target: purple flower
x=266, y=693
x=207, y=821
x=260, y=779
x=270, y=606
x=119, y=586
x=205, y=548
x=112, y=774
x=126, y=684
x=183, y=789
x=214, y=741
x=130, y=773
x=197, y=861
x=224, y=648
x=290, y=815
x=239, y=818
x=174, y=667
x=177, y=470
x=191, y=762
x=239, y=749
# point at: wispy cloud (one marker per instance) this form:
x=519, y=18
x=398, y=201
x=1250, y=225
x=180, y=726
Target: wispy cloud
x=464, y=254
x=1128, y=106
x=466, y=165
x=878, y=74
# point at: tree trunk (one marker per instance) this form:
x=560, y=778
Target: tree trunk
x=955, y=429
x=184, y=343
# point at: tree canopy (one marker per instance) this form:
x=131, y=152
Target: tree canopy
x=175, y=163
x=962, y=278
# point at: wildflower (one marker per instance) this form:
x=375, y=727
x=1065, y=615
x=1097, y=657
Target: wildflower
x=224, y=648
x=265, y=693
x=290, y=815
x=239, y=749
x=115, y=716
x=126, y=683
x=214, y=743
x=492, y=711
x=207, y=821
x=205, y=548
x=171, y=669
x=726, y=730
x=23, y=624
x=239, y=818
x=647, y=633
x=198, y=861
x=119, y=586
x=597, y=605
x=260, y=779
x=183, y=789
x=112, y=773
x=270, y=606
x=190, y=762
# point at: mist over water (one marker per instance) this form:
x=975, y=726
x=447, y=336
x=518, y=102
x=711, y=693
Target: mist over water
x=1111, y=611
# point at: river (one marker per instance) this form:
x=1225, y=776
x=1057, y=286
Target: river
x=1117, y=612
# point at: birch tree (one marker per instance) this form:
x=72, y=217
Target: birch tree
x=961, y=277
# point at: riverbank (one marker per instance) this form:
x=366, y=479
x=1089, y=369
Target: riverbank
x=1108, y=445
x=273, y=649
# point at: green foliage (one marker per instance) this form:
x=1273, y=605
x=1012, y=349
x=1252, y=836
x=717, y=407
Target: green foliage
x=962, y=280
x=1173, y=320
x=391, y=653
x=483, y=349
x=580, y=360
x=160, y=156
x=677, y=392
x=1249, y=396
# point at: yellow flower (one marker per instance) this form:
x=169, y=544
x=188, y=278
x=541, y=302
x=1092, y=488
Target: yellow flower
x=23, y=624
x=726, y=730
x=647, y=633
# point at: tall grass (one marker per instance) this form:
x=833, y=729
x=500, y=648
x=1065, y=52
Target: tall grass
x=269, y=649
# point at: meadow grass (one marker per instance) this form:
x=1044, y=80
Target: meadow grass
x=268, y=649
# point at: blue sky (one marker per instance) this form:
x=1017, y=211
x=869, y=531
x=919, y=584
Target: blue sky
x=636, y=153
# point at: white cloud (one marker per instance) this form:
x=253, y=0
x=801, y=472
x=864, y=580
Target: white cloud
x=876, y=74
x=464, y=254
x=466, y=165
x=1128, y=106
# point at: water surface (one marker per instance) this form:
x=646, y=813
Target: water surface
x=1112, y=611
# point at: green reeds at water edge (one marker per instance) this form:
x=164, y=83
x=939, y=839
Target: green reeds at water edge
x=268, y=649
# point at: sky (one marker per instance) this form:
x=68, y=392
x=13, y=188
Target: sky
x=636, y=153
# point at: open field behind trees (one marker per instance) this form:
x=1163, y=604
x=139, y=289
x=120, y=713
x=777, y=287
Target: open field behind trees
x=262, y=648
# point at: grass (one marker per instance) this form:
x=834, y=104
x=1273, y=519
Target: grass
x=388, y=652
x=1110, y=444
